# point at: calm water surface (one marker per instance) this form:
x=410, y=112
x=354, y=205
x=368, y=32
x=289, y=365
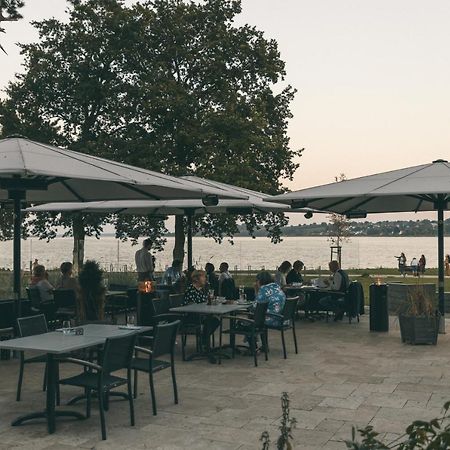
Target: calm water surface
x=360, y=252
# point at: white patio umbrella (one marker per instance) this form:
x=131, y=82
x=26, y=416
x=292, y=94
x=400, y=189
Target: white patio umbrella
x=188, y=208
x=420, y=188
x=35, y=172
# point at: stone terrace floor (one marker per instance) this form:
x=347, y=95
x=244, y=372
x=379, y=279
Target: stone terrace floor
x=343, y=376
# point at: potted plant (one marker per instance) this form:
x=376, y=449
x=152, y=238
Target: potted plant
x=418, y=318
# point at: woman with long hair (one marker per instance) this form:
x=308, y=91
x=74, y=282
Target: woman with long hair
x=91, y=295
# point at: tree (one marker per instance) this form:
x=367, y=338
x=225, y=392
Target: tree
x=168, y=85
x=9, y=11
x=338, y=232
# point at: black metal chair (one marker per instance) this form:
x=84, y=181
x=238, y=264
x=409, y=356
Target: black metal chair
x=5, y=334
x=250, y=328
x=354, y=300
x=176, y=300
x=65, y=303
x=161, y=305
x=38, y=306
x=163, y=344
x=31, y=326
x=286, y=321
x=116, y=355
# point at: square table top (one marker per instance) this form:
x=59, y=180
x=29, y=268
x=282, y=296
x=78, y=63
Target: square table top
x=56, y=342
x=203, y=308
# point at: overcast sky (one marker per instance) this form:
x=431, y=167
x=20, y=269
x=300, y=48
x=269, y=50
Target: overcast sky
x=372, y=78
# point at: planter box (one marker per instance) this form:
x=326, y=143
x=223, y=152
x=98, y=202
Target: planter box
x=419, y=329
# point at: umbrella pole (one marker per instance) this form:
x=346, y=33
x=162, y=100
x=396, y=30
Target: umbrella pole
x=440, y=208
x=17, y=197
x=190, y=217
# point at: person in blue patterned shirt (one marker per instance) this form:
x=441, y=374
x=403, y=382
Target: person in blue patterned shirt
x=269, y=291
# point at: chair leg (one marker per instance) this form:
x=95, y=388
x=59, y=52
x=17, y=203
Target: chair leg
x=284, y=344
x=264, y=343
x=253, y=346
x=174, y=382
x=183, y=347
x=101, y=396
x=295, y=338
x=88, y=403
x=130, y=397
x=58, y=392
x=19, y=383
x=152, y=392
x=135, y=387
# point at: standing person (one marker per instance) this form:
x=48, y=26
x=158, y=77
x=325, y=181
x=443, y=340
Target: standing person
x=422, y=264
x=339, y=282
x=401, y=263
x=414, y=265
x=226, y=283
x=447, y=265
x=295, y=275
x=212, y=279
x=144, y=261
x=67, y=281
x=281, y=274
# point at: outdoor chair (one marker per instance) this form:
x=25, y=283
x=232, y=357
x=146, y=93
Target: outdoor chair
x=5, y=334
x=65, y=303
x=38, y=306
x=176, y=300
x=354, y=299
x=161, y=305
x=31, y=326
x=116, y=355
x=163, y=345
x=286, y=322
x=250, y=328
x=228, y=289
x=132, y=299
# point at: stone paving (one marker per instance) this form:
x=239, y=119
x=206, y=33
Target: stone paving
x=343, y=376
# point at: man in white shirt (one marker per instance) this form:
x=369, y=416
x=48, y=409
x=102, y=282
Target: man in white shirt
x=144, y=261
x=339, y=282
x=226, y=282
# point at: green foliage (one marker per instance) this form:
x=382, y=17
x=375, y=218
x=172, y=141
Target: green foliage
x=9, y=11
x=420, y=435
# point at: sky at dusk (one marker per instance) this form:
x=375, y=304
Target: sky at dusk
x=372, y=79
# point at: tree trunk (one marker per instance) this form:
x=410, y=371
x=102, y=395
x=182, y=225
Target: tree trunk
x=78, y=242
x=180, y=238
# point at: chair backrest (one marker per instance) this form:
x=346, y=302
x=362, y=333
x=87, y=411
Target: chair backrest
x=259, y=315
x=290, y=308
x=132, y=297
x=161, y=305
x=118, y=353
x=228, y=289
x=354, y=298
x=32, y=325
x=176, y=300
x=164, y=338
x=34, y=296
x=64, y=298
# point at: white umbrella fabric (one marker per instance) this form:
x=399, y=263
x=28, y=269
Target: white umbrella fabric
x=420, y=188
x=35, y=172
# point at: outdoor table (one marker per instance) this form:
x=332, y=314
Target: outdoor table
x=54, y=344
x=313, y=295
x=202, y=309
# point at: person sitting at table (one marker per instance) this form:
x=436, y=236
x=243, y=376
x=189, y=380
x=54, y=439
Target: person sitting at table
x=66, y=280
x=212, y=279
x=227, y=287
x=280, y=276
x=267, y=290
x=295, y=275
x=340, y=283
x=91, y=294
x=173, y=274
x=40, y=281
x=196, y=293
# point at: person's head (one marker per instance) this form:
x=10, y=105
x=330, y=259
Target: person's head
x=177, y=264
x=66, y=268
x=147, y=243
x=224, y=267
x=91, y=275
x=198, y=278
x=298, y=266
x=334, y=266
x=209, y=267
x=39, y=271
x=264, y=278
x=402, y=254
x=285, y=267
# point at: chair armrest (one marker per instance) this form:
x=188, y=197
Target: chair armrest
x=143, y=350
x=81, y=362
x=241, y=319
x=144, y=337
x=168, y=316
x=278, y=316
x=6, y=331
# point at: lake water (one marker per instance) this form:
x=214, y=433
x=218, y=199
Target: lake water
x=359, y=252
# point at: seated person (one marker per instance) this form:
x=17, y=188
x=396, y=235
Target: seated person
x=173, y=274
x=212, y=279
x=91, y=295
x=295, y=275
x=196, y=293
x=280, y=276
x=226, y=282
x=67, y=281
x=40, y=281
x=340, y=283
x=269, y=291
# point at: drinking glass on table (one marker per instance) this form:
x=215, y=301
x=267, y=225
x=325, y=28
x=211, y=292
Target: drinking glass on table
x=66, y=326
x=130, y=320
x=242, y=296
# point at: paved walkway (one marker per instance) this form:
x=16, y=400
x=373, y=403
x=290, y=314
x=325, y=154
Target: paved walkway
x=343, y=375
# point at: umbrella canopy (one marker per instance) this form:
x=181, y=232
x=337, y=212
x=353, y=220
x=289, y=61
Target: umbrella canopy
x=36, y=172
x=51, y=174
x=420, y=188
